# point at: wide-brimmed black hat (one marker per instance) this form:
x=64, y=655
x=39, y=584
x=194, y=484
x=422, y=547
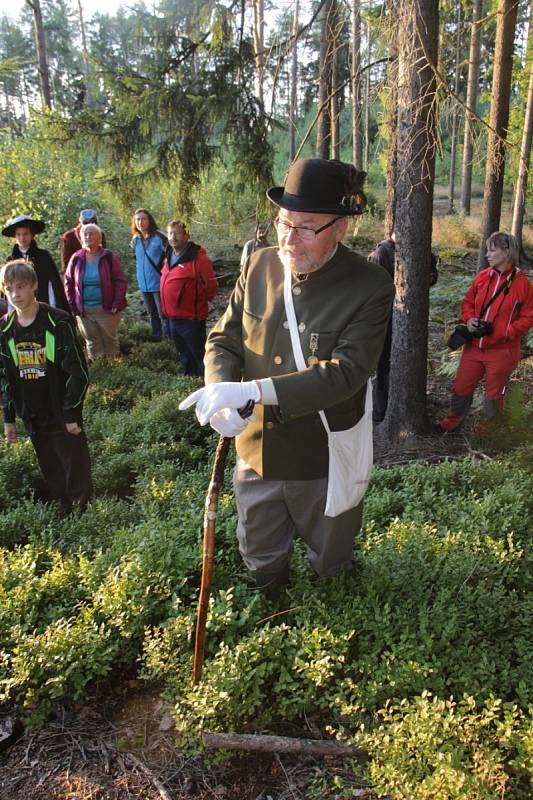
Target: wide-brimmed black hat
x=35, y=225
x=321, y=187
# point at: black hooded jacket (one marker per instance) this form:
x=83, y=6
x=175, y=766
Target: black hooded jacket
x=47, y=275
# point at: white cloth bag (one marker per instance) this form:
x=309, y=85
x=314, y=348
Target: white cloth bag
x=351, y=451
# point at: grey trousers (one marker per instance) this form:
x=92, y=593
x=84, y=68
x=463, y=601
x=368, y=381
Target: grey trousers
x=271, y=513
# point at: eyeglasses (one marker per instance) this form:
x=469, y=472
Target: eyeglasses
x=306, y=234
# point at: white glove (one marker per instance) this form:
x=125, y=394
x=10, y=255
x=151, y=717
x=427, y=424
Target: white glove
x=216, y=396
x=228, y=422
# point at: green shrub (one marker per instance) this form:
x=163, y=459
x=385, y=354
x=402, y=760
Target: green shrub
x=466, y=496
x=39, y=586
x=418, y=615
x=120, y=388
x=50, y=652
x=446, y=298
x=28, y=521
x=92, y=531
x=19, y=472
x=431, y=747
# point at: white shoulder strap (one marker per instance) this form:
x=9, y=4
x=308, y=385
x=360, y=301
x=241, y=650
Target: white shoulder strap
x=295, y=337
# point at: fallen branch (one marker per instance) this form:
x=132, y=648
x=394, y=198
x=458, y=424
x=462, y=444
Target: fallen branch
x=280, y=744
x=150, y=775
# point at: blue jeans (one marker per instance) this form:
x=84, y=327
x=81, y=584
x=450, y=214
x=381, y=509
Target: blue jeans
x=188, y=336
x=158, y=321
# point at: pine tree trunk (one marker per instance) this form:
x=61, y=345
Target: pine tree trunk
x=323, y=141
x=357, y=138
x=85, y=54
x=42, y=53
x=293, y=103
x=259, y=46
x=366, y=157
x=392, y=126
x=471, y=99
x=525, y=152
x=334, y=100
x=418, y=27
x=455, y=113
x=499, y=119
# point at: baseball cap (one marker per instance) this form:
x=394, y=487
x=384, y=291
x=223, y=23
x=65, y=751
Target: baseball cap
x=87, y=215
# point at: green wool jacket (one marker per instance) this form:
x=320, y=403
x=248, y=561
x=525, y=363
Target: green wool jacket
x=347, y=303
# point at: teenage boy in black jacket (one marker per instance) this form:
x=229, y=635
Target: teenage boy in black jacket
x=43, y=380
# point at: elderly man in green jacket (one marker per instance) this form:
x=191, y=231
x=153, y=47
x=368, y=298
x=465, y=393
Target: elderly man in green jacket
x=342, y=304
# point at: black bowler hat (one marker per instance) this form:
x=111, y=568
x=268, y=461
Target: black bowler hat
x=321, y=187
x=23, y=220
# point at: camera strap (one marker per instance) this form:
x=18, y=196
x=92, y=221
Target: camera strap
x=505, y=287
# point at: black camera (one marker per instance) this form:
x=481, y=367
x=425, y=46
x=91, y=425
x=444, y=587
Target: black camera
x=483, y=328
x=462, y=335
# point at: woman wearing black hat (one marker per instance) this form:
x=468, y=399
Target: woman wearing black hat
x=49, y=287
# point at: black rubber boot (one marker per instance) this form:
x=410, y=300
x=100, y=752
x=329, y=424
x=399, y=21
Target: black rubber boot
x=272, y=583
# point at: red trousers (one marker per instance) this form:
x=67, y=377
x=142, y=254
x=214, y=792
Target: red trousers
x=495, y=365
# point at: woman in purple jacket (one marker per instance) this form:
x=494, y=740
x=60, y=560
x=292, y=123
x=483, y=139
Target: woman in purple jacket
x=95, y=287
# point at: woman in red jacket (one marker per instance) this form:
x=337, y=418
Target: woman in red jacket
x=497, y=312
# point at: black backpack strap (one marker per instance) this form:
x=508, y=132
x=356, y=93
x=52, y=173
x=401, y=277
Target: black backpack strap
x=159, y=265
x=505, y=287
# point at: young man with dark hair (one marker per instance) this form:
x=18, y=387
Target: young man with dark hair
x=43, y=380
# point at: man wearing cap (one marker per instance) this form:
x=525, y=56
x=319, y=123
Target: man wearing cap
x=71, y=240
x=260, y=241
x=342, y=305
x=49, y=287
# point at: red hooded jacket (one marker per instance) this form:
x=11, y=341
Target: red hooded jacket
x=188, y=285
x=511, y=313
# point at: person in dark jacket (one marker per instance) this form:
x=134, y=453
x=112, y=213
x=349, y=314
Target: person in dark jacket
x=49, y=287
x=257, y=243
x=188, y=283
x=71, y=239
x=385, y=254
x=43, y=380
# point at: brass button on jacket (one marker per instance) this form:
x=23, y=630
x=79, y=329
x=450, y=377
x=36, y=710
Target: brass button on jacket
x=278, y=360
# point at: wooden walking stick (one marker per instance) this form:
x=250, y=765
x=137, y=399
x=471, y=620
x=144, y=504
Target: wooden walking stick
x=208, y=550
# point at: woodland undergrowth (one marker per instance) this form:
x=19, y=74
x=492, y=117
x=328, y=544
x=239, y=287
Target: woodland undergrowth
x=422, y=656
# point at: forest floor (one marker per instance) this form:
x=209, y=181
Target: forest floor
x=129, y=750
x=123, y=746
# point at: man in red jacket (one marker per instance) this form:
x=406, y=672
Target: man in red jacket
x=496, y=312
x=187, y=284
